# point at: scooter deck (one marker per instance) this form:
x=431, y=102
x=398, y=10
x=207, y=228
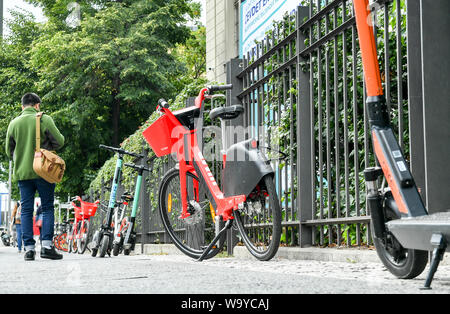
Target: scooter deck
x=416, y=232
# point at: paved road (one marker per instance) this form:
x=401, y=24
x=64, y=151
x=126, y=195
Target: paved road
x=179, y=274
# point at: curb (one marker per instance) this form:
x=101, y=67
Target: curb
x=348, y=255
x=343, y=255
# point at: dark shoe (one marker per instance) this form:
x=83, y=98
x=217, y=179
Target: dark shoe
x=50, y=253
x=29, y=255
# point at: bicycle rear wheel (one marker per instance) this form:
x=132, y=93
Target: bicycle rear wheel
x=193, y=234
x=259, y=222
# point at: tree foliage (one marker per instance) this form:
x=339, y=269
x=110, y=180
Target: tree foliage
x=192, y=55
x=99, y=80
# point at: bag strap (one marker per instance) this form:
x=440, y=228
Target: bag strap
x=38, y=131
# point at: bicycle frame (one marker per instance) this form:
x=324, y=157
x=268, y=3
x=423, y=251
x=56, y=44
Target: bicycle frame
x=76, y=231
x=74, y=234
x=118, y=219
x=191, y=159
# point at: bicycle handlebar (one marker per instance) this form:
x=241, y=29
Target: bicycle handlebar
x=121, y=151
x=217, y=88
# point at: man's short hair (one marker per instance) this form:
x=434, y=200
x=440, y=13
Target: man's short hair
x=30, y=99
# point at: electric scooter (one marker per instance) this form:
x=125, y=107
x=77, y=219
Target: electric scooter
x=103, y=239
x=125, y=238
x=403, y=231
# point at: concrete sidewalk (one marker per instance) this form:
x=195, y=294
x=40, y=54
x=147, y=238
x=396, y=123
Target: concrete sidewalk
x=343, y=255
x=163, y=272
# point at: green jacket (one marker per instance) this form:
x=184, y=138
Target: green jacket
x=21, y=141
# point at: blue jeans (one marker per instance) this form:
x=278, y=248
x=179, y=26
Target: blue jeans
x=19, y=236
x=46, y=192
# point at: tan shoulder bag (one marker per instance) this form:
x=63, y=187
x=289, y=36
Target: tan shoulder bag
x=47, y=164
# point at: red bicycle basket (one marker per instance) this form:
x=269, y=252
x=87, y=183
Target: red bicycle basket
x=86, y=209
x=89, y=209
x=159, y=136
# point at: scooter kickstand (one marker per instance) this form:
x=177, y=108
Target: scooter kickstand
x=214, y=241
x=440, y=245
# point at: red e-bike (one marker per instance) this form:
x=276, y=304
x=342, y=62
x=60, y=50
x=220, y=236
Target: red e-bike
x=403, y=231
x=195, y=211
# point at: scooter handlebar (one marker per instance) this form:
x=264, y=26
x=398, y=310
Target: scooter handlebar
x=120, y=151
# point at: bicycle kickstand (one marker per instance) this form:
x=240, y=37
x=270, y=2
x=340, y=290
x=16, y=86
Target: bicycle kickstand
x=228, y=225
x=440, y=244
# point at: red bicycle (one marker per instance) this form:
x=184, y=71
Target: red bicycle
x=195, y=212
x=80, y=236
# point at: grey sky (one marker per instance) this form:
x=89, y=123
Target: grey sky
x=37, y=12
x=14, y=4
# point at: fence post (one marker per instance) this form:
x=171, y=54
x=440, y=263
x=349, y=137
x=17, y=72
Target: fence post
x=145, y=201
x=305, y=127
x=190, y=102
x=415, y=99
x=436, y=112
x=233, y=68
x=102, y=197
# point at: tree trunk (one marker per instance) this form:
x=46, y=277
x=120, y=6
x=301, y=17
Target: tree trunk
x=116, y=112
x=115, y=122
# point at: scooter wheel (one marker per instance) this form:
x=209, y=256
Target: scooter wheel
x=104, y=246
x=401, y=262
x=116, y=249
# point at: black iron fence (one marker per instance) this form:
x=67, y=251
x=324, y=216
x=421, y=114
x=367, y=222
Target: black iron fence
x=303, y=91
x=303, y=88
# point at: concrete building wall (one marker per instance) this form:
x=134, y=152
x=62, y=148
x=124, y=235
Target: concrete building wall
x=222, y=36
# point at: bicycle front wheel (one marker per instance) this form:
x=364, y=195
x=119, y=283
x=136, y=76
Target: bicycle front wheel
x=192, y=234
x=259, y=222
x=56, y=242
x=73, y=242
x=62, y=242
x=83, y=240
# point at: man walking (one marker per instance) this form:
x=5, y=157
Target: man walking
x=20, y=145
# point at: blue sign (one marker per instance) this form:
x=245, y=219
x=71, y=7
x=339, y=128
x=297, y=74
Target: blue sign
x=257, y=17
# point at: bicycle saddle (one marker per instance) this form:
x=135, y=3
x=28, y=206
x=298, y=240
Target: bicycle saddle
x=226, y=113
